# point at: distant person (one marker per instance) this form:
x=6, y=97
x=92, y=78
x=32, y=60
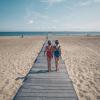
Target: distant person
x=22, y=35
x=57, y=53
x=49, y=53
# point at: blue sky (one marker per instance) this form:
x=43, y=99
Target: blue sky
x=49, y=15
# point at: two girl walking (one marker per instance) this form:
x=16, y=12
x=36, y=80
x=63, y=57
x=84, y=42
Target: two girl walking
x=51, y=51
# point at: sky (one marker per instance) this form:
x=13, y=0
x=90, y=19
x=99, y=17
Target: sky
x=49, y=15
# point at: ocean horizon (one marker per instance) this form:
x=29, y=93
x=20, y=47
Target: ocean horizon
x=52, y=33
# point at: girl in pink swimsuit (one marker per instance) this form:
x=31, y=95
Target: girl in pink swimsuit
x=49, y=53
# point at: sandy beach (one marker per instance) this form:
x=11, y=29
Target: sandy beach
x=82, y=58
x=81, y=55
x=16, y=58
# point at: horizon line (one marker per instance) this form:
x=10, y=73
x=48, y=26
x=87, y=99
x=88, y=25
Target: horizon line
x=49, y=31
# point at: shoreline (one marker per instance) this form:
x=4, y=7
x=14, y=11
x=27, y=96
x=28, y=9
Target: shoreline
x=55, y=33
x=21, y=37
x=32, y=36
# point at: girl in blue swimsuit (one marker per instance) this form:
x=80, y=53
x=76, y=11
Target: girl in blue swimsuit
x=57, y=53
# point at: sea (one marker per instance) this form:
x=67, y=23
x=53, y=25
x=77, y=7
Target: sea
x=50, y=33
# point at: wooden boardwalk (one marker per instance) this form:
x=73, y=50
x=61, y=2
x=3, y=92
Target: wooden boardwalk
x=42, y=85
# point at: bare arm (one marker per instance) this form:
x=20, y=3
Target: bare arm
x=45, y=50
x=60, y=50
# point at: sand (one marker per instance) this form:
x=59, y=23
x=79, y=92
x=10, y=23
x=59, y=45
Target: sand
x=82, y=58
x=81, y=55
x=16, y=58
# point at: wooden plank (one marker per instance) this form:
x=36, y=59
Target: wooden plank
x=45, y=70
x=45, y=64
x=45, y=98
x=48, y=91
x=39, y=68
x=41, y=60
x=47, y=80
x=65, y=94
x=47, y=87
x=48, y=77
x=41, y=84
x=58, y=75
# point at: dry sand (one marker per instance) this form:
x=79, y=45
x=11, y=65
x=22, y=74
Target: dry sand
x=81, y=55
x=82, y=58
x=16, y=58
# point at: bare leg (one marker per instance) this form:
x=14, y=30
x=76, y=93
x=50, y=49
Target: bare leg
x=56, y=63
x=49, y=64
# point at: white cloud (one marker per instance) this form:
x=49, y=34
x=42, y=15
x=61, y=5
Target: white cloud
x=85, y=3
x=42, y=22
x=88, y=2
x=51, y=2
x=39, y=19
x=31, y=21
x=96, y=1
x=34, y=17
